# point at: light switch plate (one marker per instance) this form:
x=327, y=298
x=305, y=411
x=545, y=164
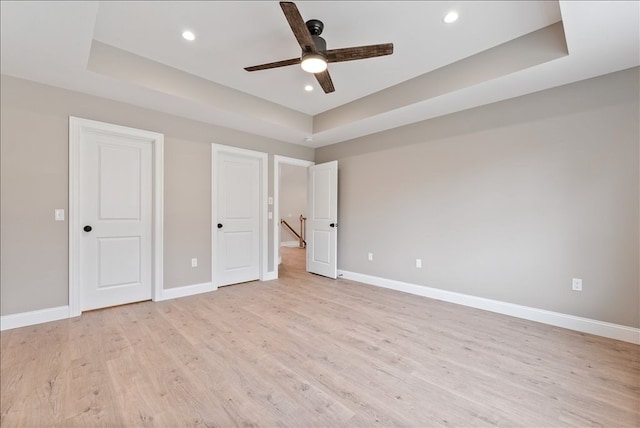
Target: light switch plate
x=576, y=284
x=59, y=214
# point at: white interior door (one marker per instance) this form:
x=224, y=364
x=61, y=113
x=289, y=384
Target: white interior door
x=116, y=219
x=238, y=219
x=322, y=221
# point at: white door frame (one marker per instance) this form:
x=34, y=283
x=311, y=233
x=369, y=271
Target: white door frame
x=277, y=161
x=76, y=127
x=262, y=157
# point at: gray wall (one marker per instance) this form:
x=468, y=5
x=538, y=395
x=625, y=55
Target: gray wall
x=187, y=212
x=508, y=201
x=293, y=198
x=34, y=181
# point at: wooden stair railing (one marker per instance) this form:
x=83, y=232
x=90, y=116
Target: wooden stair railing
x=300, y=236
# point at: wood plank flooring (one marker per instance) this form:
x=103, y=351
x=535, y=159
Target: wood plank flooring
x=305, y=351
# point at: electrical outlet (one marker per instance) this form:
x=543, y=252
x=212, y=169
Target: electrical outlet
x=576, y=284
x=370, y=257
x=419, y=263
x=194, y=262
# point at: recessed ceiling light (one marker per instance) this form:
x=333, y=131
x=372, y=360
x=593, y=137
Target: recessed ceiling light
x=308, y=88
x=188, y=35
x=450, y=17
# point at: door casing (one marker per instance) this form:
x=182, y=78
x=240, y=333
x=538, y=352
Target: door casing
x=77, y=126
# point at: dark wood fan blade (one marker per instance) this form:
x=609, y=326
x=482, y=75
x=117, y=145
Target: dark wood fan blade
x=283, y=63
x=358, y=52
x=325, y=81
x=298, y=26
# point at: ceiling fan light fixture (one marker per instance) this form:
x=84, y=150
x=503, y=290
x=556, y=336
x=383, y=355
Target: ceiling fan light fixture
x=314, y=63
x=314, y=54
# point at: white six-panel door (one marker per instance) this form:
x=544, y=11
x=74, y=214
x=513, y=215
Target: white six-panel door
x=237, y=231
x=322, y=221
x=116, y=220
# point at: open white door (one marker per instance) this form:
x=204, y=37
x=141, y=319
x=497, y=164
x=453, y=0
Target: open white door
x=322, y=222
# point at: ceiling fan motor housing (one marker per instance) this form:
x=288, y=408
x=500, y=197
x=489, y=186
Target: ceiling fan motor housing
x=315, y=26
x=321, y=44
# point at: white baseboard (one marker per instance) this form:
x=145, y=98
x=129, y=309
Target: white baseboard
x=585, y=325
x=187, y=290
x=290, y=244
x=25, y=319
x=54, y=314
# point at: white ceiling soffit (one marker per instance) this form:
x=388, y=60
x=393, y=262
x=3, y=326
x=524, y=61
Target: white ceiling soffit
x=133, y=52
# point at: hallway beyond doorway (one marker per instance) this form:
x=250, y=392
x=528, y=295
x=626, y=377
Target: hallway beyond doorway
x=293, y=260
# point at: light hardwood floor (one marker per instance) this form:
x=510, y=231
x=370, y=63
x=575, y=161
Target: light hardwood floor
x=307, y=351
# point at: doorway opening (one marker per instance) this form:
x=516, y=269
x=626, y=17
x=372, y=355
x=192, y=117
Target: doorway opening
x=290, y=212
x=292, y=204
x=320, y=228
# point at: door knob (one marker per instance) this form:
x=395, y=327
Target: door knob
x=333, y=225
x=219, y=225
x=87, y=228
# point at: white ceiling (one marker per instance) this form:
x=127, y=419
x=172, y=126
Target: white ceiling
x=51, y=42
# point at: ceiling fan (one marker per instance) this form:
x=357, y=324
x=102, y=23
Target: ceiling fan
x=315, y=55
